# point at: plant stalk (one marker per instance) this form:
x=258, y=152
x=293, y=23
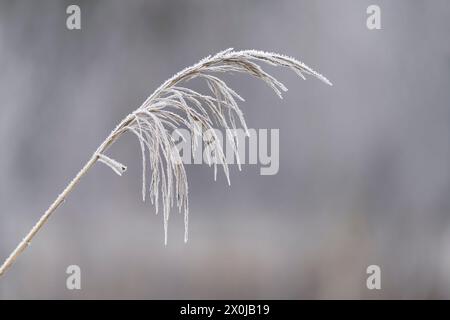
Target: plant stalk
x=59, y=200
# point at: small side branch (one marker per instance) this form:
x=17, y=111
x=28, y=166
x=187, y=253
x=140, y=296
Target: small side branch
x=116, y=166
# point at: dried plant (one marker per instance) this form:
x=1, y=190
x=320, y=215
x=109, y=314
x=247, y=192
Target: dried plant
x=171, y=107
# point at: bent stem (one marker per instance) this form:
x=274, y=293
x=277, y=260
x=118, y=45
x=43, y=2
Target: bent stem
x=114, y=135
x=62, y=197
x=59, y=200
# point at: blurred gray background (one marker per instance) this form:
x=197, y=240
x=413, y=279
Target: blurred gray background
x=364, y=165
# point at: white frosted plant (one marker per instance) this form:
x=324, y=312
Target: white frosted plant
x=173, y=106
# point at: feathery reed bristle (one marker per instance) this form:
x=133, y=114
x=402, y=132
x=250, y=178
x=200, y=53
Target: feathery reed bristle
x=173, y=106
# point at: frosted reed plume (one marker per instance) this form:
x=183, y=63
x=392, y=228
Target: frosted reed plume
x=173, y=106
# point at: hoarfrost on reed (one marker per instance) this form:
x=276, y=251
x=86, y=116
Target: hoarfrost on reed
x=173, y=106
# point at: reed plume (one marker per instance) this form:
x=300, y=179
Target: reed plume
x=173, y=106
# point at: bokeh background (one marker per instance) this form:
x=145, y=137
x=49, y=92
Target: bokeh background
x=364, y=165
